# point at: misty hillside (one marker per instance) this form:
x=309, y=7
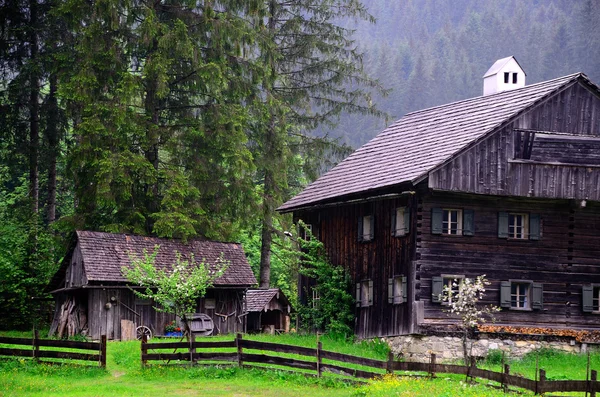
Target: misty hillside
x=431, y=52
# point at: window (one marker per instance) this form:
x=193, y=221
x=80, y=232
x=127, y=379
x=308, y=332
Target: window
x=591, y=298
x=397, y=292
x=521, y=295
x=519, y=226
x=316, y=298
x=514, y=78
x=364, y=293
x=366, y=229
x=506, y=77
x=452, y=221
x=438, y=291
x=400, y=222
x=305, y=231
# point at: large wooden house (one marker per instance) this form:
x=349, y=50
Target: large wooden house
x=93, y=297
x=506, y=185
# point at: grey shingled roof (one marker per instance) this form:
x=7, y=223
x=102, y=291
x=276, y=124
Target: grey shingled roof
x=104, y=254
x=420, y=141
x=257, y=299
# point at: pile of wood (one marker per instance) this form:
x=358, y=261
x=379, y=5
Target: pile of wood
x=583, y=336
x=69, y=320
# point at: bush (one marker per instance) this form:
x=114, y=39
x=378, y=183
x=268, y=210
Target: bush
x=494, y=357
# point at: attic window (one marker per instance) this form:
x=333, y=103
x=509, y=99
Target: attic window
x=506, y=77
x=514, y=78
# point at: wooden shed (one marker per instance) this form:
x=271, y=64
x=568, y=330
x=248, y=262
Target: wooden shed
x=93, y=297
x=267, y=310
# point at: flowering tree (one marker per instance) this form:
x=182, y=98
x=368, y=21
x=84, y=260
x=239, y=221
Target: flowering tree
x=463, y=297
x=175, y=289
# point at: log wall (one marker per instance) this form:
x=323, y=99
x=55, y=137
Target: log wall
x=566, y=257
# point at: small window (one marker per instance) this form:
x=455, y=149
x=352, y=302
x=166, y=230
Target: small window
x=451, y=221
x=366, y=228
x=364, y=293
x=316, y=298
x=397, y=292
x=514, y=80
x=440, y=286
x=400, y=222
x=591, y=298
x=518, y=226
x=305, y=231
x=506, y=77
x=521, y=295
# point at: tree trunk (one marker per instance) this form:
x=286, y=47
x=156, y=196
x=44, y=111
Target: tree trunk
x=151, y=151
x=34, y=109
x=52, y=137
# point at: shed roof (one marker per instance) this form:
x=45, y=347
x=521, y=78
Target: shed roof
x=257, y=299
x=411, y=147
x=105, y=254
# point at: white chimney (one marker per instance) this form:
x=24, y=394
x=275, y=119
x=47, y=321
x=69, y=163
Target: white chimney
x=505, y=74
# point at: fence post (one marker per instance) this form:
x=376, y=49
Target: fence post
x=103, y=351
x=144, y=350
x=593, y=383
x=390, y=363
x=192, y=348
x=238, y=344
x=36, y=346
x=539, y=385
x=319, y=348
x=432, y=365
x=505, y=377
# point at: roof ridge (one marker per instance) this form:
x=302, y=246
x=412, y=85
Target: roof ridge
x=195, y=239
x=569, y=76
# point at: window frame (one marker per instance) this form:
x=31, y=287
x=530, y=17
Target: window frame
x=448, y=280
x=528, y=292
x=400, y=221
x=362, y=236
x=397, y=289
x=364, y=293
x=448, y=221
x=512, y=228
x=589, y=294
x=438, y=282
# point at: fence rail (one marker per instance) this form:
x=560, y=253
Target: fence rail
x=312, y=360
x=35, y=343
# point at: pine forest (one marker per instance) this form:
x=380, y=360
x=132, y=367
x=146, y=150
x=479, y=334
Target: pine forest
x=197, y=119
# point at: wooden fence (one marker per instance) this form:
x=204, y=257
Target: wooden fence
x=337, y=363
x=35, y=343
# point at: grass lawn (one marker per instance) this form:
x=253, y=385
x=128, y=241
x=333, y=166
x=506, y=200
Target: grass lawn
x=125, y=377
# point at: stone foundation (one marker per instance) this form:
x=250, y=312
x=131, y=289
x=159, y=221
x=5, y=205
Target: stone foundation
x=447, y=348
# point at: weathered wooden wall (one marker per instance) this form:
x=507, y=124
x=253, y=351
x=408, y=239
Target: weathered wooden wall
x=226, y=314
x=566, y=256
x=501, y=164
x=126, y=306
x=75, y=273
x=377, y=260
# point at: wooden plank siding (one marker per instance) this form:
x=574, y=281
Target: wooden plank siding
x=566, y=257
x=499, y=164
x=377, y=260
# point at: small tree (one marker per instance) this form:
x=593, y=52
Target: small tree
x=175, y=289
x=330, y=309
x=463, y=299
